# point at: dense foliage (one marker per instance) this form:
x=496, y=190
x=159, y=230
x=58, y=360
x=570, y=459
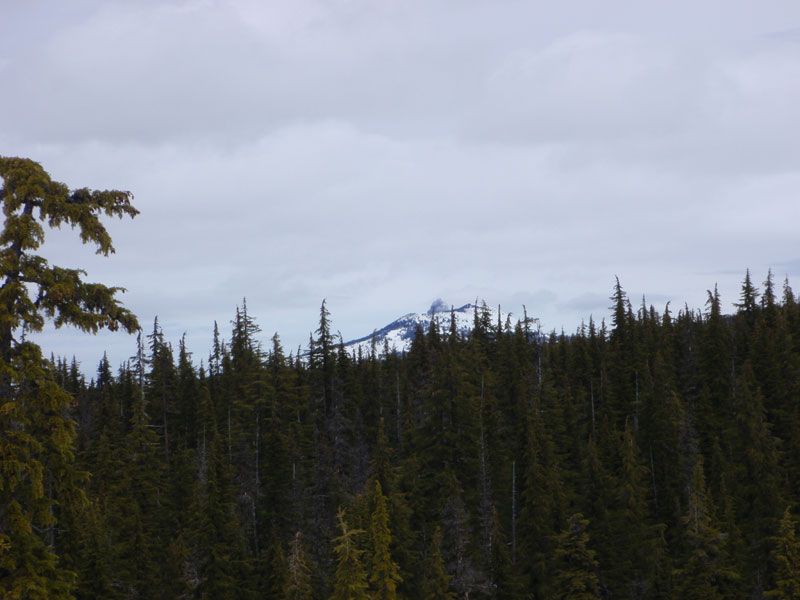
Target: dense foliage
x=652, y=459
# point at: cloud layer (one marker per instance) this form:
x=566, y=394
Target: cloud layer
x=382, y=155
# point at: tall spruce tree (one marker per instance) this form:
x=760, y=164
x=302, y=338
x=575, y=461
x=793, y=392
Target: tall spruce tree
x=437, y=581
x=705, y=569
x=383, y=572
x=298, y=581
x=36, y=461
x=575, y=575
x=351, y=577
x=786, y=554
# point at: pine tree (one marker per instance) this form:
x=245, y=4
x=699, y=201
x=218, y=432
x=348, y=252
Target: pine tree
x=270, y=572
x=218, y=538
x=403, y=538
x=705, y=568
x=383, y=571
x=504, y=582
x=622, y=363
x=786, y=555
x=351, y=578
x=541, y=504
x=715, y=369
x=633, y=549
x=94, y=557
x=176, y=583
x=576, y=572
x=755, y=456
x=298, y=582
x=322, y=352
x=135, y=505
x=457, y=545
x=161, y=383
x=745, y=319
x=187, y=396
x=437, y=582
x=749, y=297
x=36, y=462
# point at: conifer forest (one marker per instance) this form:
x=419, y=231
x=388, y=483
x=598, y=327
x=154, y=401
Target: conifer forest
x=654, y=454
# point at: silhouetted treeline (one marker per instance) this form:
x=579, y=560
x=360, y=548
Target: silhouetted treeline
x=656, y=456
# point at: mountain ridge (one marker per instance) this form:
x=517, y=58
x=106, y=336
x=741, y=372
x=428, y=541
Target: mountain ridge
x=398, y=334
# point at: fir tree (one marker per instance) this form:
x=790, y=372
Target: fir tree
x=298, y=581
x=786, y=555
x=576, y=571
x=504, y=582
x=177, y=583
x=705, y=568
x=136, y=505
x=36, y=461
x=622, y=363
x=755, y=458
x=218, y=539
x=541, y=504
x=437, y=581
x=749, y=296
x=322, y=351
x=350, y=582
x=383, y=572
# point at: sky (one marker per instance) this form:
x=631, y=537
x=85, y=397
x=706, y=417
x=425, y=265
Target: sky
x=383, y=154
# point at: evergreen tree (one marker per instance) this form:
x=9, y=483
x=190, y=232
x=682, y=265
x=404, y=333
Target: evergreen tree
x=403, y=538
x=622, y=362
x=177, y=583
x=187, y=398
x=94, y=557
x=136, y=506
x=637, y=545
x=322, y=351
x=705, y=569
x=350, y=582
x=755, y=457
x=749, y=296
x=160, y=387
x=298, y=582
x=749, y=311
x=36, y=461
x=542, y=504
x=504, y=582
x=576, y=571
x=458, y=541
x=272, y=572
x=383, y=572
x=786, y=555
x=437, y=582
x=715, y=379
x=218, y=538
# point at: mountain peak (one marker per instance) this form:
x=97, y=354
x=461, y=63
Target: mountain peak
x=399, y=333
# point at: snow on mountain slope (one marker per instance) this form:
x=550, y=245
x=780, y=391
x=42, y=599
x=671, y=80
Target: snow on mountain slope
x=399, y=333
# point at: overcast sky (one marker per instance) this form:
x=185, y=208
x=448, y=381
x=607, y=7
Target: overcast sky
x=382, y=154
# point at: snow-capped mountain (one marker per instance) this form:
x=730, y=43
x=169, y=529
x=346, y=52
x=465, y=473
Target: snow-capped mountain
x=399, y=333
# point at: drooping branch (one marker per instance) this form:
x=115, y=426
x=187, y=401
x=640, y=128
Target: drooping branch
x=32, y=290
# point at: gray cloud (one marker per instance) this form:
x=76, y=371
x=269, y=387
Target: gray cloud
x=383, y=154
